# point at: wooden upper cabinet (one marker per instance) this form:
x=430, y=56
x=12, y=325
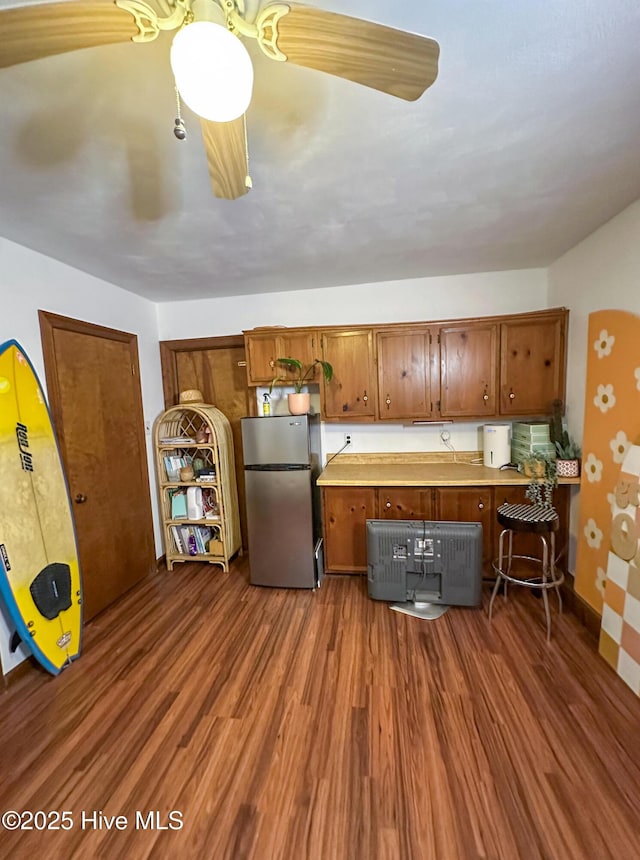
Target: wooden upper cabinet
x=532, y=363
x=352, y=392
x=404, y=374
x=468, y=370
x=263, y=350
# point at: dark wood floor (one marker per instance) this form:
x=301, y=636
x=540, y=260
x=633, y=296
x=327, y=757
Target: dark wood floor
x=294, y=725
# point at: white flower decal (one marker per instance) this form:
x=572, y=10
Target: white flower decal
x=636, y=373
x=605, y=398
x=601, y=580
x=619, y=445
x=604, y=344
x=593, y=534
x=593, y=468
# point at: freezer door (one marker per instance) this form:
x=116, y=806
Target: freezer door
x=277, y=439
x=280, y=526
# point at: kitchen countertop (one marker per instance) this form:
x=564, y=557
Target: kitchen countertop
x=419, y=470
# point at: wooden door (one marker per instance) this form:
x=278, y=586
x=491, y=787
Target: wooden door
x=345, y=511
x=405, y=503
x=93, y=382
x=351, y=392
x=469, y=505
x=468, y=371
x=404, y=374
x=532, y=364
x=215, y=366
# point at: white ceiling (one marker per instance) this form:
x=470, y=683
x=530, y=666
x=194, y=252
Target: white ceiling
x=527, y=142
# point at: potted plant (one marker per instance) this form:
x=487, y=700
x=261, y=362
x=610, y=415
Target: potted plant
x=299, y=400
x=567, y=449
x=544, y=478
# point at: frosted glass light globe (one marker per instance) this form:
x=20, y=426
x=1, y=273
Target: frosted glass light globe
x=213, y=71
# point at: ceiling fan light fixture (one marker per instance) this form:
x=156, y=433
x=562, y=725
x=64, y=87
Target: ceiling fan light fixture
x=213, y=71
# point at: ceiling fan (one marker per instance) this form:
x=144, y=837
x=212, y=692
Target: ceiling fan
x=392, y=61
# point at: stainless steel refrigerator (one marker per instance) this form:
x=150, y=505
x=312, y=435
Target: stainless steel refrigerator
x=281, y=464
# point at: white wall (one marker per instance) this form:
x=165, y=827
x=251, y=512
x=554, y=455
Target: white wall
x=447, y=297
x=602, y=272
x=30, y=281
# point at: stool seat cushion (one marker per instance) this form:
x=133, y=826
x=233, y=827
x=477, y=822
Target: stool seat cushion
x=536, y=519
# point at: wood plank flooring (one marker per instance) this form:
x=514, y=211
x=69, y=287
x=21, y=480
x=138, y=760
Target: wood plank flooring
x=322, y=726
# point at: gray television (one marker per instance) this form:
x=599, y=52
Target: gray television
x=423, y=561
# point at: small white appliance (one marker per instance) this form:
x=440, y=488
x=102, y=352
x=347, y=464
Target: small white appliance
x=195, y=510
x=497, y=445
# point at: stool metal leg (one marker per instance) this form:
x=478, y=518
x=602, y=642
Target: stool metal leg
x=545, y=571
x=496, y=586
x=557, y=580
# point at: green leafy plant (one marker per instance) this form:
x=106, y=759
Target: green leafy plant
x=566, y=447
x=304, y=374
x=544, y=479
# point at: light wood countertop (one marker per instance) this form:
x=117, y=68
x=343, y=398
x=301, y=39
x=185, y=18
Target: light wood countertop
x=418, y=470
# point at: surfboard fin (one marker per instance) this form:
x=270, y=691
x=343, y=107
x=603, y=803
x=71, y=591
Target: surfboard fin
x=15, y=642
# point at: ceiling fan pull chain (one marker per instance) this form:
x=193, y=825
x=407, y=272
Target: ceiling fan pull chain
x=179, y=127
x=247, y=180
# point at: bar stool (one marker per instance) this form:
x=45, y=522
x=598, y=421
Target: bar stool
x=532, y=519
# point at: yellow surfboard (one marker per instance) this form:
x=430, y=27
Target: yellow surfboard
x=40, y=580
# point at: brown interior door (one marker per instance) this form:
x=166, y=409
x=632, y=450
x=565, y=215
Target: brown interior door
x=216, y=367
x=94, y=392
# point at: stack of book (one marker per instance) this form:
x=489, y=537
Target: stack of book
x=529, y=438
x=196, y=540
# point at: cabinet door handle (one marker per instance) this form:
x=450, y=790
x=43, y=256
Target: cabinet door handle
x=511, y=395
x=388, y=504
x=80, y=498
x=480, y=506
x=272, y=363
x=364, y=397
x=485, y=396
x=388, y=401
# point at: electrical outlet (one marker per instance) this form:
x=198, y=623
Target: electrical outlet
x=348, y=438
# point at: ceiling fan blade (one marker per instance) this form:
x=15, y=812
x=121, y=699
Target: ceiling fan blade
x=392, y=61
x=30, y=32
x=226, y=146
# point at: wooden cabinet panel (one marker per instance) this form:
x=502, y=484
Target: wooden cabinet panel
x=404, y=374
x=265, y=348
x=345, y=511
x=469, y=505
x=351, y=393
x=262, y=352
x=468, y=371
x=532, y=364
x=405, y=503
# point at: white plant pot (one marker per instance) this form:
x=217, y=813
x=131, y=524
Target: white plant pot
x=567, y=468
x=299, y=403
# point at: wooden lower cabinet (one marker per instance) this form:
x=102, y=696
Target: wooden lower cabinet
x=345, y=511
x=469, y=505
x=405, y=503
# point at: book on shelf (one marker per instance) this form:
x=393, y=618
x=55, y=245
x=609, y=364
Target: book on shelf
x=177, y=440
x=177, y=539
x=178, y=505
